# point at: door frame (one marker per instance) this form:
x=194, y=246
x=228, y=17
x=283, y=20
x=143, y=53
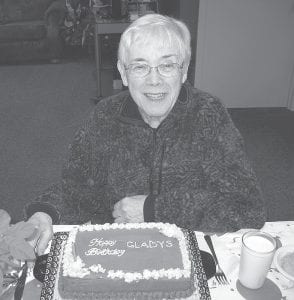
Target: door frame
x=201, y=44
x=290, y=104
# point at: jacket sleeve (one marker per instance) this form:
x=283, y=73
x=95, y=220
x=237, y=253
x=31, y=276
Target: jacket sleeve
x=230, y=197
x=81, y=180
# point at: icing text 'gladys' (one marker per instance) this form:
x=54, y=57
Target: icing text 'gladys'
x=99, y=246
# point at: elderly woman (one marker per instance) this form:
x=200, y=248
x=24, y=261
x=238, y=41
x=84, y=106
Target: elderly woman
x=161, y=151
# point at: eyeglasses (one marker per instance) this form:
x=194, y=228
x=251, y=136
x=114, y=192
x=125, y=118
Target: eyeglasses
x=142, y=70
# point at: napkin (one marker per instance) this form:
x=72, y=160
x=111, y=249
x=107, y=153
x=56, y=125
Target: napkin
x=283, y=231
x=224, y=246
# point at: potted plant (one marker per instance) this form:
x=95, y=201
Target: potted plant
x=14, y=249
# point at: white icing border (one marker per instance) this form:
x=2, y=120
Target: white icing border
x=76, y=268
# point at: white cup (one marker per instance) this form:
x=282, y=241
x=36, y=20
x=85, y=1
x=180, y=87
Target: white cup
x=257, y=252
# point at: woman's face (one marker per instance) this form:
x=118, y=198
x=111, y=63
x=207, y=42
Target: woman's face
x=154, y=94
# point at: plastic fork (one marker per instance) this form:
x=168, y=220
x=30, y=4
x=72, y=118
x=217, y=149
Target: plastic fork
x=219, y=274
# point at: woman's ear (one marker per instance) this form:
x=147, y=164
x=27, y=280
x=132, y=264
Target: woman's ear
x=184, y=77
x=122, y=72
x=184, y=73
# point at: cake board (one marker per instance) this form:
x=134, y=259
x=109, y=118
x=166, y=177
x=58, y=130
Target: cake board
x=50, y=286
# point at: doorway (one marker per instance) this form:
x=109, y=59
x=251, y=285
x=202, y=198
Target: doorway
x=186, y=11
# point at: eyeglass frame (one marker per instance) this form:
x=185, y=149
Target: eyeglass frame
x=180, y=67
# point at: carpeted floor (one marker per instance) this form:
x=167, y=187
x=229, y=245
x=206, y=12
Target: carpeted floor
x=269, y=139
x=41, y=106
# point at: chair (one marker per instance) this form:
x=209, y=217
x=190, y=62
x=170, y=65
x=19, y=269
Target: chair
x=29, y=30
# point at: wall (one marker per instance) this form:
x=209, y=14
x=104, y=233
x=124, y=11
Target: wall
x=245, y=51
x=187, y=11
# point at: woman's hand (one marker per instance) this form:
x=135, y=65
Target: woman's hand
x=44, y=231
x=129, y=209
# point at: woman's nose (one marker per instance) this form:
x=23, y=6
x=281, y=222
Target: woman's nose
x=154, y=78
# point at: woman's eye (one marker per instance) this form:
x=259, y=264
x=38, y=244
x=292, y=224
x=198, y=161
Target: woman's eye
x=139, y=68
x=168, y=66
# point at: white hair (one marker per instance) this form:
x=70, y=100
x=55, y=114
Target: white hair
x=155, y=27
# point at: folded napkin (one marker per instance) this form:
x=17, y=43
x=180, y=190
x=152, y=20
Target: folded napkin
x=227, y=250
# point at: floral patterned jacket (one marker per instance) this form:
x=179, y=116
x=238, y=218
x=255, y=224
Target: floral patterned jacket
x=193, y=166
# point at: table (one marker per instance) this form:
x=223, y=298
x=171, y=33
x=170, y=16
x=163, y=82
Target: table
x=227, y=247
x=105, y=27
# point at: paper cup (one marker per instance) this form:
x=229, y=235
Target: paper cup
x=257, y=252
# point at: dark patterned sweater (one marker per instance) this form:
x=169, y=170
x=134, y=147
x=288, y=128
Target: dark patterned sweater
x=193, y=165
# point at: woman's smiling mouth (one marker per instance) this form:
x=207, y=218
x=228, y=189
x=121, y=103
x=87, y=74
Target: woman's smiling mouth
x=155, y=96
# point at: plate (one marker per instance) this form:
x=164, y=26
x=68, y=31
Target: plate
x=284, y=261
x=208, y=264
x=39, y=270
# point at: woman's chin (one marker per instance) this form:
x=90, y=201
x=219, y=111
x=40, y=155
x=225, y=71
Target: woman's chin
x=157, y=114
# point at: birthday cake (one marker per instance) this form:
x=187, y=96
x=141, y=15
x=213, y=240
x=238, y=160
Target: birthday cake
x=126, y=261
